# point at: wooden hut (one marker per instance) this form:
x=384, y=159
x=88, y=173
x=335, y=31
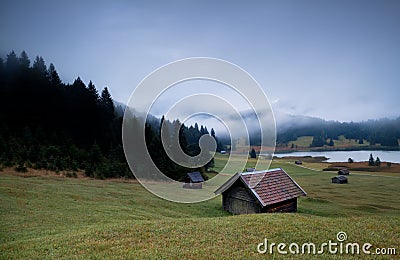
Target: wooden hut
x=260, y=192
x=343, y=172
x=193, y=180
x=339, y=179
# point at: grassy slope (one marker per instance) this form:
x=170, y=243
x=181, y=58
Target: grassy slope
x=57, y=217
x=305, y=141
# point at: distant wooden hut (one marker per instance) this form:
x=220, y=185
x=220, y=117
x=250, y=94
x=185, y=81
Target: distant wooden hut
x=339, y=179
x=343, y=172
x=193, y=180
x=260, y=192
x=298, y=162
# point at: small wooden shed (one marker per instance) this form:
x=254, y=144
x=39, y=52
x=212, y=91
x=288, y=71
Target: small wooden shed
x=343, y=172
x=193, y=180
x=339, y=179
x=260, y=192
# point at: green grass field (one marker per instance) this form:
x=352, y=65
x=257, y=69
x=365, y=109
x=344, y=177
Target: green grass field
x=305, y=141
x=53, y=217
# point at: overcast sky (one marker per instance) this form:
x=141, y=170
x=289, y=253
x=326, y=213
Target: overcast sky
x=337, y=60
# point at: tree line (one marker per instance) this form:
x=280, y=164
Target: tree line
x=385, y=132
x=188, y=140
x=47, y=124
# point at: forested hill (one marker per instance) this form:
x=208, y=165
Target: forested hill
x=384, y=132
x=47, y=124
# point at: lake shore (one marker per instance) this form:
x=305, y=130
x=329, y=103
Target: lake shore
x=361, y=166
x=279, y=150
x=343, y=156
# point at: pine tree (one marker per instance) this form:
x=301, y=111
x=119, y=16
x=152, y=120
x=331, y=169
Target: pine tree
x=378, y=162
x=165, y=133
x=40, y=65
x=213, y=133
x=219, y=145
x=53, y=76
x=318, y=141
x=2, y=89
x=107, y=102
x=331, y=143
x=182, y=139
x=93, y=93
x=371, y=161
x=253, y=153
x=12, y=61
x=24, y=60
x=202, y=130
x=78, y=83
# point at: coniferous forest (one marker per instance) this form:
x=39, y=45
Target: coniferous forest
x=47, y=124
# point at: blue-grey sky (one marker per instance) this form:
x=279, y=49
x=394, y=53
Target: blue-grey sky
x=337, y=60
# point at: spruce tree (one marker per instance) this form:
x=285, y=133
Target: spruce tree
x=40, y=65
x=213, y=133
x=53, y=76
x=107, y=102
x=378, y=162
x=371, y=161
x=12, y=62
x=93, y=96
x=253, y=153
x=24, y=60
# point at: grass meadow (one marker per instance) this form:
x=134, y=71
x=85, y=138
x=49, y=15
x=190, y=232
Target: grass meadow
x=305, y=141
x=55, y=217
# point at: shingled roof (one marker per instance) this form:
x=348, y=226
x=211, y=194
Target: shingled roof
x=195, y=177
x=274, y=186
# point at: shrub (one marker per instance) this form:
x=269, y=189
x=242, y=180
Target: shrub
x=8, y=163
x=21, y=168
x=350, y=160
x=71, y=174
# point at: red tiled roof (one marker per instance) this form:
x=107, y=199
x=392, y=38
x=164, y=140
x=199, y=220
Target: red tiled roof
x=271, y=186
x=274, y=186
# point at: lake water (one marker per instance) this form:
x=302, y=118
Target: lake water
x=357, y=156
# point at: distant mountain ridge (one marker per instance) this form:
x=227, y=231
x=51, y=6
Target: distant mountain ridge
x=385, y=132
